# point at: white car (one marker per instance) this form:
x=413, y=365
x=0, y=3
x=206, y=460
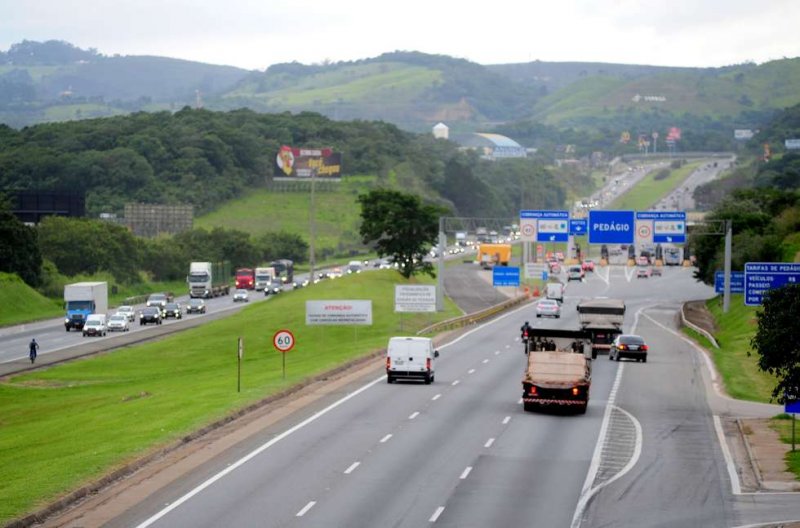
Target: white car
x=118, y=323
x=241, y=295
x=95, y=325
x=127, y=311
x=548, y=308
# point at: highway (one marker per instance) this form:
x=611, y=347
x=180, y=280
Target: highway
x=461, y=452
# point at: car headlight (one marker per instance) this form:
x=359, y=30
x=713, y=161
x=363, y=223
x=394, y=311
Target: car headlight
x=66, y=319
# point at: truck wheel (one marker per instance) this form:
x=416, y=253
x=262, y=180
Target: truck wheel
x=428, y=379
x=67, y=328
x=389, y=379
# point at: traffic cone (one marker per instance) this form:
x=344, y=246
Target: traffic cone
x=536, y=291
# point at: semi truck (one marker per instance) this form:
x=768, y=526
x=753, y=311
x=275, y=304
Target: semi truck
x=264, y=277
x=602, y=319
x=83, y=299
x=558, y=372
x=245, y=279
x=208, y=279
x=490, y=255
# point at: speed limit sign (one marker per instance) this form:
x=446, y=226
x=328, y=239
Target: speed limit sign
x=283, y=340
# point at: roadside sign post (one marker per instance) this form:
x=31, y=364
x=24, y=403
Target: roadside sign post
x=791, y=406
x=283, y=341
x=239, y=354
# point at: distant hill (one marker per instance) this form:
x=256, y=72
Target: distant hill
x=56, y=81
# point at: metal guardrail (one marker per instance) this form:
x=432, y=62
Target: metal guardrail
x=697, y=329
x=474, y=318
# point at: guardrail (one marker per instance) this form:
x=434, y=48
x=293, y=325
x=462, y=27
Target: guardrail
x=474, y=318
x=697, y=329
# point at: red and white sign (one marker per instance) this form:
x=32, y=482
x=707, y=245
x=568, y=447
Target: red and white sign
x=644, y=231
x=527, y=229
x=339, y=312
x=283, y=340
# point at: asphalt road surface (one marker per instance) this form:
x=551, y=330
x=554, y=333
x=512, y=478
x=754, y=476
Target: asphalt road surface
x=461, y=452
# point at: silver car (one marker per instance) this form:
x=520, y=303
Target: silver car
x=240, y=295
x=128, y=311
x=548, y=308
x=118, y=323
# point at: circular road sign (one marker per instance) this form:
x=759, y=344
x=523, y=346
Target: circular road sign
x=283, y=340
x=644, y=231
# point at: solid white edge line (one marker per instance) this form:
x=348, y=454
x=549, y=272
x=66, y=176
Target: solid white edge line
x=736, y=486
x=594, y=465
x=466, y=473
x=306, y=508
x=769, y=524
x=436, y=514
x=302, y=424
x=352, y=468
x=191, y=493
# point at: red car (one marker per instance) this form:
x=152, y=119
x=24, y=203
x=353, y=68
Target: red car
x=587, y=265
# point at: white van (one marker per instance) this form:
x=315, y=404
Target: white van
x=410, y=358
x=555, y=290
x=95, y=325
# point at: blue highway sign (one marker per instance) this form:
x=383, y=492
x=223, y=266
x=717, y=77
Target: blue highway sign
x=760, y=277
x=551, y=226
x=792, y=406
x=611, y=227
x=737, y=282
x=505, y=276
x=578, y=227
x=668, y=226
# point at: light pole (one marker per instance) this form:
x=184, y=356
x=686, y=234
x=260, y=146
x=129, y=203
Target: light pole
x=312, y=229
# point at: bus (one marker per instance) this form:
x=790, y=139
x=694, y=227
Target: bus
x=284, y=268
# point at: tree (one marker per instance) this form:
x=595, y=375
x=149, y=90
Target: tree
x=776, y=341
x=19, y=247
x=401, y=226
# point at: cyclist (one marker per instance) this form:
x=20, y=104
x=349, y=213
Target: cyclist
x=34, y=346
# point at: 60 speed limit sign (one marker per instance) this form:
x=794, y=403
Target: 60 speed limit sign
x=283, y=340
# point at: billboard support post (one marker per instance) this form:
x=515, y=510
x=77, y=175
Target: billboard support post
x=440, y=277
x=726, y=295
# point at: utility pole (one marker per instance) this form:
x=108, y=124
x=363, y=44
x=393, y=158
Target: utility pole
x=726, y=292
x=312, y=229
x=440, y=275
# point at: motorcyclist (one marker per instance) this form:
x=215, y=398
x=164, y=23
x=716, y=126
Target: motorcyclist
x=525, y=331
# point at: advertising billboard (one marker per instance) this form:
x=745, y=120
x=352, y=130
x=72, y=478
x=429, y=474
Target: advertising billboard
x=300, y=163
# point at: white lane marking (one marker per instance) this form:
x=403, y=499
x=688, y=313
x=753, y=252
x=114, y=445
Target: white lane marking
x=496, y=352
x=519, y=402
x=506, y=420
x=599, y=274
x=598, y=451
x=637, y=452
x=508, y=346
x=436, y=397
x=485, y=361
x=413, y=415
x=352, y=468
x=471, y=371
x=466, y=473
x=257, y=452
x=726, y=454
x=489, y=442
x=456, y=382
x=628, y=275
x=305, y=509
x=436, y=514
x=386, y=438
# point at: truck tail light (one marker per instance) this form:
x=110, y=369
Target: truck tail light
x=532, y=391
x=428, y=364
x=575, y=391
x=388, y=363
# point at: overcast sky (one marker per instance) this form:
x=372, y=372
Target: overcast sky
x=254, y=34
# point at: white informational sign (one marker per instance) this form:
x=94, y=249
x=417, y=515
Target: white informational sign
x=534, y=270
x=337, y=312
x=792, y=144
x=527, y=229
x=644, y=231
x=414, y=298
x=743, y=134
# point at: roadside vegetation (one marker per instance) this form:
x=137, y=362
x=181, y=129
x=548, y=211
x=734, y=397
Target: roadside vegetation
x=70, y=424
x=783, y=425
x=19, y=303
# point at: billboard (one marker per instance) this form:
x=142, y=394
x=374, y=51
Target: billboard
x=300, y=163
x=743, y=134
x=339, y=312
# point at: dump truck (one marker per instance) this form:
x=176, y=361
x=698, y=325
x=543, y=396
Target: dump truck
x=558, y=373
x=490, y=255
x=603, y=319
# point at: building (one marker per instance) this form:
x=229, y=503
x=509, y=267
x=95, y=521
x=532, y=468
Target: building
x=441, y=131
x=493, y=146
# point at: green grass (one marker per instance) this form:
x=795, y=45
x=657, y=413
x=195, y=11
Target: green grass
x=648, y=191
x=740, y=373
x=19, y=303
x=783, y=425
x=337, y=219
x=68, y=425
x=68, y=112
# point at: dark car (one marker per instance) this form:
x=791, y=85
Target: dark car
x=629, y=346
x=173, y=309
x=151, y=314
x=196, y=306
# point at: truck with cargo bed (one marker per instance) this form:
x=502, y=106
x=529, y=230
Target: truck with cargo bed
x=603, y=319
x=209, y=279
x=558, y=373
x=83, y=299
x=490, y=255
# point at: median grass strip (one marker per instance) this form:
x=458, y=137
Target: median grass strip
x=68, y=425
x=783, y=425
x=649, y=190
